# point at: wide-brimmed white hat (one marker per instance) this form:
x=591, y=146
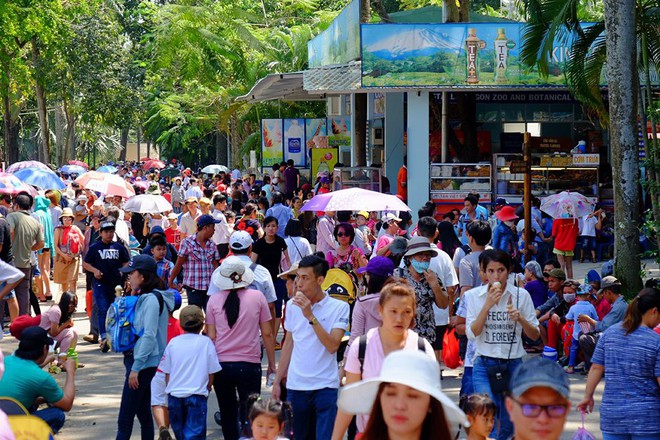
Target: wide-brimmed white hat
x=358, y=398
x=232, y=274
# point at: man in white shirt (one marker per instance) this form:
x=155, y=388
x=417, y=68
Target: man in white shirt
x=222, y=231
x=316, y=324
x=188, y=222
x=194, y=190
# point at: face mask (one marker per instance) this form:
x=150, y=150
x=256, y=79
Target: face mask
x=508, y=223
x=569, y=297
x=420, y=266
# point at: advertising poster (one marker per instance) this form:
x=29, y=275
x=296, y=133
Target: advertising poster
x=271, y=142
x=339, y=131
x=316, y=135
x=323, y=160
x=294, y=141
x=453, y=54
x=340, y=42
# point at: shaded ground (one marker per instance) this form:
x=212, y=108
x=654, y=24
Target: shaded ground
x=99, y=385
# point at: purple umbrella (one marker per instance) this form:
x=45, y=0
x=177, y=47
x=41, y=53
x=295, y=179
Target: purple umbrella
x=26, y=164
x=355, y=199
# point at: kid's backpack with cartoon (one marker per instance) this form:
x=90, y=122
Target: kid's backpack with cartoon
x=339, y=285
x=121, y=332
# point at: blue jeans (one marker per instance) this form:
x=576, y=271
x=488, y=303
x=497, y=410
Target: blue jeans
x=188, y=416
x=607, y=436
x=467, y=387
x=280, y=291
x=575, y=349
x=233, y=385
x=53, y=416
x=103, y=296
x=314, y=412
x=504, y=429
x=136, y=403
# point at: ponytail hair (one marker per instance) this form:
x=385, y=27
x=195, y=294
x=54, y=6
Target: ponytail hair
x=231, y=307
x=647, y=299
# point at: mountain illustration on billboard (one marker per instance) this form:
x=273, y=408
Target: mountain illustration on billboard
x=413, y=43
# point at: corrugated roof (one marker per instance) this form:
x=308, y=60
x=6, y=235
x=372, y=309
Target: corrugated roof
x=336, y=79
x=284, y=86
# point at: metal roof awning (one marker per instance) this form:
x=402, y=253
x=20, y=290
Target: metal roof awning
x=284, y=86
x=335, y=79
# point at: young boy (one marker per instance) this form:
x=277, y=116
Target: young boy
x=189, y=383
x=581, y=307
x=159, y=251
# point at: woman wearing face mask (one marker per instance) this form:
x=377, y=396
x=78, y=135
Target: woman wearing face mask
x=427, y=286
x=557, y=325
x=504, y=236
x=496, y=315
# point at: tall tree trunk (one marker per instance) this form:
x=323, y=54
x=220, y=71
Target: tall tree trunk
x=11, y=131
x=221, y=148
x=622, y=77
x=40, y=93
x=60, y=134
x=123, y=140
x=69, y=151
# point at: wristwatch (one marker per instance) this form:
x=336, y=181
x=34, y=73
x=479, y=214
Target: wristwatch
x=313, y=321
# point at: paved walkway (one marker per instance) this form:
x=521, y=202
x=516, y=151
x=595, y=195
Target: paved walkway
x=99, y=386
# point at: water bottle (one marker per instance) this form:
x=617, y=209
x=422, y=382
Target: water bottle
x=549, y=353
x=118, y=291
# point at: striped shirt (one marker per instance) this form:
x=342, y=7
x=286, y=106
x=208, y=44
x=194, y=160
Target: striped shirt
x=631, y=400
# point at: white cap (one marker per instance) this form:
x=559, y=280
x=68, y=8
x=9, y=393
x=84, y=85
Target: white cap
x=240, y=240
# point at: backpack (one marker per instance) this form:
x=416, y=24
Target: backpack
x=340, y=285
x=362, y=348
x=466, y=248
x=119, y=321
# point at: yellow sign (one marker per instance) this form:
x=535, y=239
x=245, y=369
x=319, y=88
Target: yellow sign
x=556, y=161
x=586, y=160
x=323, y=160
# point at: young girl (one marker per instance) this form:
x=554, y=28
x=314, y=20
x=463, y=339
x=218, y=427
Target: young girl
x=267, y=417
x=480, y=411
x=58, y=322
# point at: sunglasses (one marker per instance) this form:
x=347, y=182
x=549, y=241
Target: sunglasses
x=342, y=234
x=531, y=410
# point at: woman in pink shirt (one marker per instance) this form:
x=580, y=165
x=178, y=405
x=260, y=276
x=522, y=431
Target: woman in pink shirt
x=58, y=322
x=397, y=307
x=234, y=317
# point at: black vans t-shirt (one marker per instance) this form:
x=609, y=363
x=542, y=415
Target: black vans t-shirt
x=108, y=258
x=270, y=254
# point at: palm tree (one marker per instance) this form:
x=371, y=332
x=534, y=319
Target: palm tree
x=591, y=50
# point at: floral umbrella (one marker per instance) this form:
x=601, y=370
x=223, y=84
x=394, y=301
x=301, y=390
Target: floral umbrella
x=79, y=163
x=12, y=185
x=108, y=184
x=567, y=204
x=26, y=164
x=355, y=199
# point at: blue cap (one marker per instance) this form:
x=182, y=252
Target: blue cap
x=157, y=229
x=206, y=220
x=592, y=276
x=499, y=201
x=140, y=262
x=607, y=269
x=539, y=372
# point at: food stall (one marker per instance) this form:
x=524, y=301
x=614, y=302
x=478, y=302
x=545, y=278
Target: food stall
x=357, y=177
x=452, y=182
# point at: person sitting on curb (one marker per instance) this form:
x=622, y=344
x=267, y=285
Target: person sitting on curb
x=25, y=381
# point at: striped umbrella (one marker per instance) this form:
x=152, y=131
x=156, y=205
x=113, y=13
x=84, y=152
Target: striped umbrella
x=10, y=184
x=26, y=164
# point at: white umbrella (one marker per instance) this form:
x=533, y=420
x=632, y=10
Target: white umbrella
x=148, y=204
x=355, y=199
x=215, y=169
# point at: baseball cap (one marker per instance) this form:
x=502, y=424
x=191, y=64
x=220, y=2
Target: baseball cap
x=191, y=199
x=206, y=219
x=592, y=276
x=172, y=216
x=556, y=273
x=240, y=240
x=32, y=341
x=608, y=282
x=191, y=316
x=107, y=225
x=499, y=201
x=389, y=217
x=364, y=214
x=539, y=372
x=140, y=262
x=381, y=266
x=205, y=201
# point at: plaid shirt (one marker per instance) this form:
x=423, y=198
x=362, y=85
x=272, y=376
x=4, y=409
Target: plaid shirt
x=198, y=267
x=164, y=268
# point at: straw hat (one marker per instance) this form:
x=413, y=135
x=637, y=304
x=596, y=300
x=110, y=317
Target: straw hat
x=67, y=212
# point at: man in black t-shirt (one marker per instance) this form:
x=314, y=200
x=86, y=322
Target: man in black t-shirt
x=103, y=260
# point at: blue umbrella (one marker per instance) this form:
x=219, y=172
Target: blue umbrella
x=107, y=169
x=40, y=178
x=73, y=169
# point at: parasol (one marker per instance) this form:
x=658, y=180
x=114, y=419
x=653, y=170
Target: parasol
x=355, y=199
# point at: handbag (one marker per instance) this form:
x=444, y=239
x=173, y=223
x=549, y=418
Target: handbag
x=499, y=374
x=450, y=349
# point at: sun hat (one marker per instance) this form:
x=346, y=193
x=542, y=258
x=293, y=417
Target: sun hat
x=607, y=282
x=292, y=271
x=381, y=266
x=584, y=289
x=240, y=240
x=191, y=199
x=364, y=214
x=556, y=273
x=232, y=274
x=507, y=213
x=207, y=219
x=141, y=262
x=539, y=372
x=97, y=203
x=81, y=198
x=419, y=244
x=67, y=212
x=172, y=216
x=32, y=341
x=205, y=201
x=389, y=217
x=535, y=268
x=191, y=316
x=358, y=398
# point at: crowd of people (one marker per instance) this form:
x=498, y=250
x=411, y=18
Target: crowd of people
x=354, y=301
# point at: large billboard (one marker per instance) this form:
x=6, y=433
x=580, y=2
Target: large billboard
x=455, y=54
x=340, y=42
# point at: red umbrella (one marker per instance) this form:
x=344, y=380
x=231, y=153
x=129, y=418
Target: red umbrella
x=153, y=163
x=79, y=163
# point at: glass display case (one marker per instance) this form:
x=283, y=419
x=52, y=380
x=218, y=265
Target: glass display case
x=452, y=182
x=550, y=174
x=357, y=177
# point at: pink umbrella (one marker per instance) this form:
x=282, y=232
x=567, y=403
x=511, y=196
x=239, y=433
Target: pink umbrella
x=10, y=184
x=107, y=184
x=355, y=199
x=26, y=164
x=153, y=163
x=79, y=163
